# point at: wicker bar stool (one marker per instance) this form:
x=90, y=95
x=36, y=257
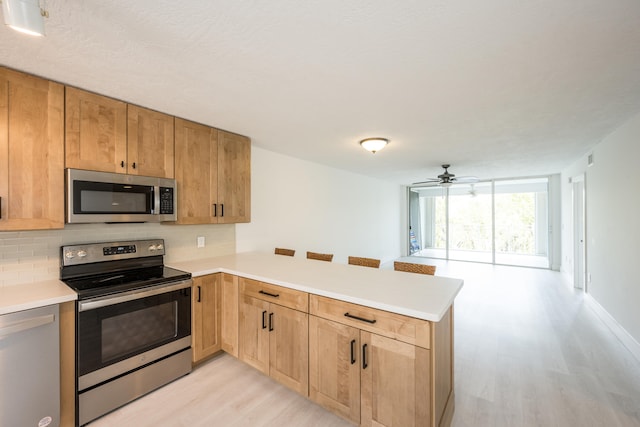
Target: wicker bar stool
x=365, y=262
x=283, y=251
x=414, y=268
x=318, y=256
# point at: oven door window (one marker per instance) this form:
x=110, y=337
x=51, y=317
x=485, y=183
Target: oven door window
x=129, y=332
x=116, y=332
x=105, y=198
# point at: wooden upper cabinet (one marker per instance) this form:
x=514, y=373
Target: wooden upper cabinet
x=196, y=165
x=234, y=177
x=95, y=132
x=213, y=171
x=107, y=135
x=150, y=149
x=31, y=152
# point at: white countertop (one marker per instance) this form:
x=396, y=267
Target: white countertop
x=416, y=295
x=34, y=295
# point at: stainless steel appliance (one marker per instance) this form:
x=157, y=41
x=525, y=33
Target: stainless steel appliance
x=133, y=324
x=112, y=197
x=30, y=368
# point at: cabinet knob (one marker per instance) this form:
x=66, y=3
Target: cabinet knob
x=134, y=165
x=122, y=164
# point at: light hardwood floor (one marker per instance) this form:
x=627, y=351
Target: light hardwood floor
x=529, y=352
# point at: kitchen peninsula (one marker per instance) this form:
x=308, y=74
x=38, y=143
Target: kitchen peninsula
x=372, y=345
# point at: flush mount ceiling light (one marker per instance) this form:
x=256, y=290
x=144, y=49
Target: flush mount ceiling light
x=25, y=16
x=374, y=144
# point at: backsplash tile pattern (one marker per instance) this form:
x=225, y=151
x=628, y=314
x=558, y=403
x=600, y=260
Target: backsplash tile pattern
x=31, y=256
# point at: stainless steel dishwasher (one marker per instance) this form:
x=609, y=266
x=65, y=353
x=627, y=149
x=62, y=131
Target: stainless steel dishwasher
x=30, y=368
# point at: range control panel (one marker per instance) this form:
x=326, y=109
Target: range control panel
x=119, y=250
x=109, y=251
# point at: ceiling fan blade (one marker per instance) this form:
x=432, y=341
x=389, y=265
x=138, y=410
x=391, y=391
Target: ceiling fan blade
x=467, y=179
x=428, y=181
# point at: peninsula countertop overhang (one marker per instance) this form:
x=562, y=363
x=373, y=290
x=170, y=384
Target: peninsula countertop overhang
x=416, y=295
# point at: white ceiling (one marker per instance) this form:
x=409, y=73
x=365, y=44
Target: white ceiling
x=497, y=88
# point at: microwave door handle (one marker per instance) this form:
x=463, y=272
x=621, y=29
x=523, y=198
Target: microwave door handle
x=155, y=199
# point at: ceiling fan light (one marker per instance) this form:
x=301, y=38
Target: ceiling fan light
x=374, y=144
x=25, y=16
x=445, y=184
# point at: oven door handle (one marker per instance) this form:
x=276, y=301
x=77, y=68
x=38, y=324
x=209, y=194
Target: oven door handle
x=92, y=304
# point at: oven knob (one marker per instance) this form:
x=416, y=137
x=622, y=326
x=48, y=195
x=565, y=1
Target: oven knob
x=69, y=255
x=82, y=253
x=160, y=247
x=152, y=248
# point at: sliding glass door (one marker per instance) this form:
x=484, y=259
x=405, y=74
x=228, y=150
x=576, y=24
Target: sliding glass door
x=470, y=223
x=521, y=222
x=502, y=222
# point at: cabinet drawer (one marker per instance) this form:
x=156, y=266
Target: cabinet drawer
x=286, y=297
x=403, y=328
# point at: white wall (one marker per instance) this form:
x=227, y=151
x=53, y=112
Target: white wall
x=613, y=226
x=310, y=207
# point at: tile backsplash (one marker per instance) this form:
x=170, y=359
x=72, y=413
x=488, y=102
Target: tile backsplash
x=31, y=256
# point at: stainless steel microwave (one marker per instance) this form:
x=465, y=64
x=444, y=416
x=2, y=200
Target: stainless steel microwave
x=111, y=197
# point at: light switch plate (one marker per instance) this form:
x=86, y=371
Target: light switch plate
x=201, y=241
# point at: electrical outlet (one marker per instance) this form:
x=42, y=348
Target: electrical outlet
x=201, y=241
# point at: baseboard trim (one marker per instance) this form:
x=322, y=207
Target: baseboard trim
x=621, y=333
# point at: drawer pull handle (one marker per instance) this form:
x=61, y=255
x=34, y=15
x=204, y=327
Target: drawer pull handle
x=264, y=320
x=270, y=322
x=269, y=295
x=364, y=357
x=360, y=318
x=353, y=351
x=199, y=294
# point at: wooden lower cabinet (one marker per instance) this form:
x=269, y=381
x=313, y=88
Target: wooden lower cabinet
x=334, y=367
x=372, y=367
x=206, y=316
x=394, y=383
x=366, y=378
x=229, y=312
x=274, y=339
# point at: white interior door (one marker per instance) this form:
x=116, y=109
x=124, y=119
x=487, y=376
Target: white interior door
x=579, y=259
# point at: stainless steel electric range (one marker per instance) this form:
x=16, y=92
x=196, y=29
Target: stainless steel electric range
x=133, y=322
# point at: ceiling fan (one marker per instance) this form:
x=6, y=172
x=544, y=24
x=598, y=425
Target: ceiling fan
x=446, y=179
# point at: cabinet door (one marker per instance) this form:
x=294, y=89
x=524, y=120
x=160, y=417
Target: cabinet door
x=334, y=367
x=234, y=178
x=196, y=163
x=289, y=348
x=95, y=132
x=395, y=381
x=206, y=316
x=31, y=152
x=150, y=150
x=253, y=333
x=230, y=314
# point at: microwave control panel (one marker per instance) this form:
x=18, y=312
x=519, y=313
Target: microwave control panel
x=166, y=201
